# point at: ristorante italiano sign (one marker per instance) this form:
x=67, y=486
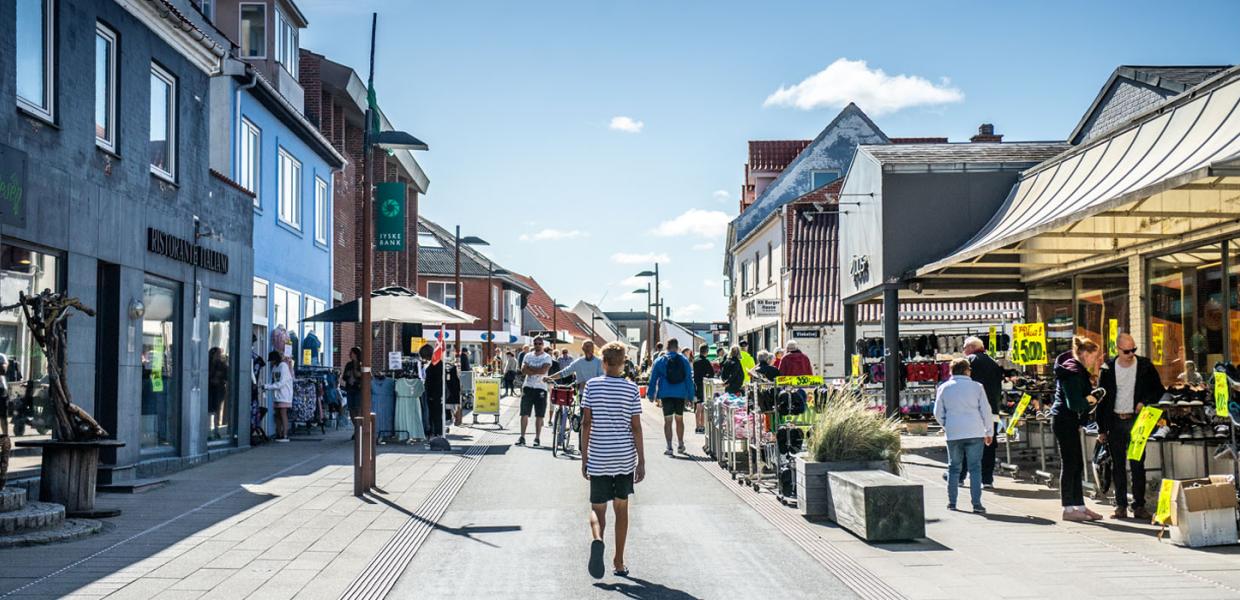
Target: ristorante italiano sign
x=171, y=246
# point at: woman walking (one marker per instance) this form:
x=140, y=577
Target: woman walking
x=1073, y=382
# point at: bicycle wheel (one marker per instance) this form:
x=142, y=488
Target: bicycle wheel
x=557, y=431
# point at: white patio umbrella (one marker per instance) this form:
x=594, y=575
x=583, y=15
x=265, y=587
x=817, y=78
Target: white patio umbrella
x=396, y=305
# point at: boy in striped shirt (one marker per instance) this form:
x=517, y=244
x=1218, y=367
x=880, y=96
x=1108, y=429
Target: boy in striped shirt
x=612, y=459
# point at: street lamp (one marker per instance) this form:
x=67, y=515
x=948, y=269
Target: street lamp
x=491, y=272
x=364, y=451
x=658, y=300
x=649, y=343
x=456, y=286
x=555, y=327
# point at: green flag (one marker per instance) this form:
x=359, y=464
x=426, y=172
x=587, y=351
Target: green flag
x=373, y=104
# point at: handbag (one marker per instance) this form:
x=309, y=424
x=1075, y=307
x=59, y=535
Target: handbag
x=1103, y=462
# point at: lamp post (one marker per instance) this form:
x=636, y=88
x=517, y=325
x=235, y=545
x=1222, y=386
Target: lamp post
x=491, y=273
x=649, y=343
x=658, y=300
x=364, y=451
x=456, y=286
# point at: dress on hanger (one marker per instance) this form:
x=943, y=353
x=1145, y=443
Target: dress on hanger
x=383, y=403
x=409, y=407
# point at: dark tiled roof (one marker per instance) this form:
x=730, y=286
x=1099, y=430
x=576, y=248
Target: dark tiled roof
x=442, y=261
x=774, y=155
x=1172, y=78
x=965, y=152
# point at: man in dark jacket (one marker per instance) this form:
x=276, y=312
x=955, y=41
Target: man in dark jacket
x=702, y=368
x=987, y=372
x=1131, y=383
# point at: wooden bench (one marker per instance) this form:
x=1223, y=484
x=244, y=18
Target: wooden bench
x=877, y=506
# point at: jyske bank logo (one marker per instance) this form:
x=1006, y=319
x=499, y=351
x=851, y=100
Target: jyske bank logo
x=390, y=208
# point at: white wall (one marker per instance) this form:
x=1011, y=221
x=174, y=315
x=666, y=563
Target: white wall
x=770, y=233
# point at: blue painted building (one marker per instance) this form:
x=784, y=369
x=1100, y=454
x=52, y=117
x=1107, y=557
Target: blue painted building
x=276, y=153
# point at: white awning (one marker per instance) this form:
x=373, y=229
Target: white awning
x=1174, y=145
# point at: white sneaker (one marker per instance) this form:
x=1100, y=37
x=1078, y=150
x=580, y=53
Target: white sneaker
x=281, y=440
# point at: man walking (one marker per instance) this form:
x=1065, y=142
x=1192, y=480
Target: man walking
x=794, y=362
x=612, y=458
x=1131, y=383
x=702, y=368
x=987, y=372
x=534, y=391
x=960, y=406
x=671, y=384
x=583, y=369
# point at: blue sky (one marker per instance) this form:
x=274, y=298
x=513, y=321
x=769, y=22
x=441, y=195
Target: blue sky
x=517, y=101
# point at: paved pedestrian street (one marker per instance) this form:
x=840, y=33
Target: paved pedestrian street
x=492, y=520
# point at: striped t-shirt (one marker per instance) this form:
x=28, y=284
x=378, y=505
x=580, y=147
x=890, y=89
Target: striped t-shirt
x=612, y=402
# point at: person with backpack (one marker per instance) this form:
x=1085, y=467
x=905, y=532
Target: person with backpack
x=671, y=384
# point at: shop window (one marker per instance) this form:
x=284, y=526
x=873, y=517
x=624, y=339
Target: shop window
x=24, y=270
x=253, y=30
x=259, y=310
x=1186, y=313
x=160, y=378
x=1102, y=307
x=250, y=161
x=315, y=306
x=163, y=145
x=36, y=57
x=1233, y=315
x=105, y=87
x=445, y=293
x=1051, y=304
x=290, y=189
x=221, y=370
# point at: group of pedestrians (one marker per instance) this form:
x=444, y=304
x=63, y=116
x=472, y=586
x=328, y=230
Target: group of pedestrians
x=1114, y=390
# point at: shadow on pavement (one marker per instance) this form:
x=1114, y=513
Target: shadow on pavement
x=919, y=545
x=1113, y=525
x=466, y=532
x=645, y=590
x=1044, y=494
x=1019, y=519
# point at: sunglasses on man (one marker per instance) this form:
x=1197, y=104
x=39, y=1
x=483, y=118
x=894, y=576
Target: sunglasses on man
x=1128, y=350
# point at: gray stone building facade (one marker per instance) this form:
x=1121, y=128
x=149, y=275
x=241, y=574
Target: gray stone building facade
x=129, y=219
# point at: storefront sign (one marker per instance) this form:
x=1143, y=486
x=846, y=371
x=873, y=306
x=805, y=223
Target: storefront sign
x=1028, y=344
x=1112, y=337
x=859, y=268
x=12, y=186
x=762, y=307
x=486, y=396
x=171, y=246
x=1158, y=332
x=802, y=334
x=1142, y=428
x=1020, y=412
x=719, y=328
x=799, y=380
x=1222, y=394
x=390, y=217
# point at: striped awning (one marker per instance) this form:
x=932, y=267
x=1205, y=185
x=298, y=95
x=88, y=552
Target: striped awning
x=1173, y=144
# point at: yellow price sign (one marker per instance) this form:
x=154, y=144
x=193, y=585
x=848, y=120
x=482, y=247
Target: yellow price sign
x=305, y=357
x=1158, y=333
x=856, y=365
x=157, y=365
x=799, y=380
x=1112, y=337
x=1020, y=412
x=1163, y=514
x=415, y=344
x=486, y=395
x=1142, y=428
x=1222, y=393
x=994, y=339
x=1028, y=344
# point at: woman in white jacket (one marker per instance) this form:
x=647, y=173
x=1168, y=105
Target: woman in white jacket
x=282, y=386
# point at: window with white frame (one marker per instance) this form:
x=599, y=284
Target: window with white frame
x=286, y=43
x=105, y=87
x=249, y=162
x=259, y=311
x=290, y=189
x=494, y=303
x=770, y=263
x=315, y=306
x=287, y=305
x=745, y=277
x=321, y=212
x=36, y=61
x=253, y=30
x=163, y=143
x=443, y=292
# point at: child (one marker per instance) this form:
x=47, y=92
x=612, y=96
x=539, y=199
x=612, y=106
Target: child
x=612, y=459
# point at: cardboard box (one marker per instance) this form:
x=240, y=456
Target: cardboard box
x=1203, y=512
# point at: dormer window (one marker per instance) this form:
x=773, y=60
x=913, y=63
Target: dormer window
x=286, y=44
x=253, y=30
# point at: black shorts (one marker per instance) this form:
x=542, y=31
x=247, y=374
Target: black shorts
x=605, y=488
x=533, y=402
x=673, y=406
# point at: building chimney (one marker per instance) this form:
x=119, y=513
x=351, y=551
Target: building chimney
x=986, y=133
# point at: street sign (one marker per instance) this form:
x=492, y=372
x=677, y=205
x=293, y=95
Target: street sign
x=390, y=217
x=806, y=334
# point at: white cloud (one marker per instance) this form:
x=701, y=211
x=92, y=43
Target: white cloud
x=626, y=124
x=628, y=258
x=704, y=246
x=697, y=222
x=686, y=312
x=710, y=283
x=875, y=91
x=553, y=234
x=721, y=195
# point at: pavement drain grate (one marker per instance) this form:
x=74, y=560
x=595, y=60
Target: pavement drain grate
x=377, y=579
x=859, y=579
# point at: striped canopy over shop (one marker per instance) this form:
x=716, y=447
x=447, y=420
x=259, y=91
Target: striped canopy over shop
x=1169, y=176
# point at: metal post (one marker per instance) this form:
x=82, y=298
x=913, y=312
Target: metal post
x=490, y=312
x=891, y=349
x=554, y=323
x=367, y=472
x=649, y=330
x=658, y=302
x=456, y=341
x=850, y=338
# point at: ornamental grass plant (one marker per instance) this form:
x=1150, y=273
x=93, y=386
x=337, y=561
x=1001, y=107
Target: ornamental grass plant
x=846, y=430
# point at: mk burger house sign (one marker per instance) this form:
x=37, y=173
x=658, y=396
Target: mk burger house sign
x=171, y=246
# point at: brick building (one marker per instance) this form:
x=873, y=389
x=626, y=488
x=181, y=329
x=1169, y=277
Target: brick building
x=335, y=101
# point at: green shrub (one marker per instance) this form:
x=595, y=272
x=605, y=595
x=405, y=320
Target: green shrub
x=848, y=431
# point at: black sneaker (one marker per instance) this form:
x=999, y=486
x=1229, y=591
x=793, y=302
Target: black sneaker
x=668, y=452
x=979, y=510
x=537, y=443
x=951, y=507
x=521, y=441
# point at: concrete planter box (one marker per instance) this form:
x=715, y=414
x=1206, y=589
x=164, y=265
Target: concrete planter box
x=813, y=492
x=877, y=506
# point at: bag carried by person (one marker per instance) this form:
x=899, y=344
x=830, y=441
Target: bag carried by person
x=676, y=369
x=1103, y=462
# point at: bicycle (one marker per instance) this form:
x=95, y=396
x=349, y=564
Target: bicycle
x=566, y=420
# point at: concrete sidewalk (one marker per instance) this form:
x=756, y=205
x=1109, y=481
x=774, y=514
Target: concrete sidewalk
x=278, y=521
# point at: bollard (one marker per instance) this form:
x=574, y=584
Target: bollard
x=359, y=456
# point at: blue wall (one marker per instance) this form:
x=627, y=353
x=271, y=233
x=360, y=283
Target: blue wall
x=283, y=255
